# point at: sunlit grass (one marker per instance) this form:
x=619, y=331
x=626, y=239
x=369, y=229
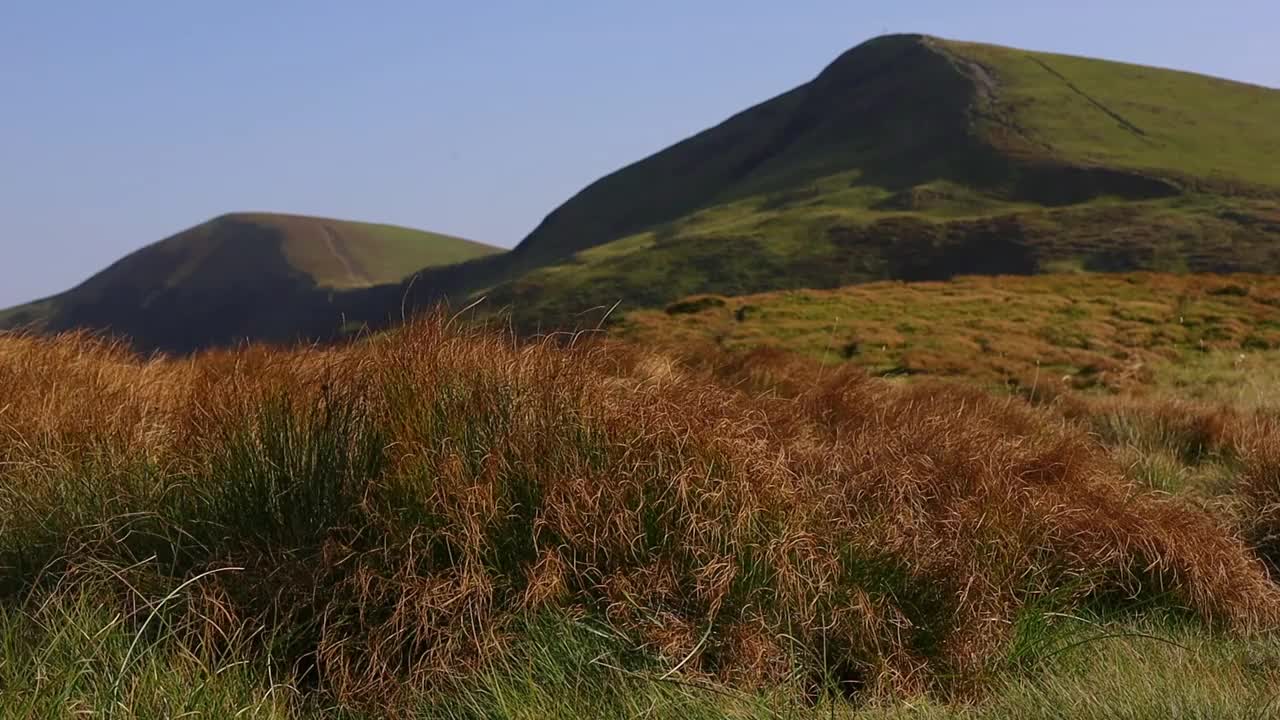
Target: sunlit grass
x=444, y=522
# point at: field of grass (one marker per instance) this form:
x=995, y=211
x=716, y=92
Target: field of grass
x=1194, y=336
x=439, y=522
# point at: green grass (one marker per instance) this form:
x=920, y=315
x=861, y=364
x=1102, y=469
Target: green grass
x=1246, y=378
x=735, y=250
x=332, y=254
x=1148, y=671
x=1069, y=668
x=75, y=657
x=1148, y=119
x=72, y=656
x=379, y=254
x=385, y=251
x=342, y=254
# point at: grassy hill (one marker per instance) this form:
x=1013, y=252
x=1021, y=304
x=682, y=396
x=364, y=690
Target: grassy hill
x=246, y=275
x=917, y=158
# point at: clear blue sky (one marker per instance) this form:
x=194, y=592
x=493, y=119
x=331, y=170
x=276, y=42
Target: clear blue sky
x=122, y=122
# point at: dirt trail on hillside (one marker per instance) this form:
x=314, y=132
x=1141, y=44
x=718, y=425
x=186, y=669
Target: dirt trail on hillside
x=348, y=263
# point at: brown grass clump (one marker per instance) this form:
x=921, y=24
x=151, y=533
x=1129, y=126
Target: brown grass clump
x=1237, y=448
x=1191, y=429
x=1259, y=489
x=384, y=514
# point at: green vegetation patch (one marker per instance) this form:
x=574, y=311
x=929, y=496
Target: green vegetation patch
x=1194, y=335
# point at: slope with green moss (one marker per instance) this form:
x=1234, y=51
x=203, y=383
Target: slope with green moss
x=241, y=276
x=917, y=158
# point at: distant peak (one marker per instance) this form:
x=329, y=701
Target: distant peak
x=878, y=53
x=900, y=37
x=894, y=39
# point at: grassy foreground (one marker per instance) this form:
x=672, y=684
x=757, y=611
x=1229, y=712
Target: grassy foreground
x=441, y=523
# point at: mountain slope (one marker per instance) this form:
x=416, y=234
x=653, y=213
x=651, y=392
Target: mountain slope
x=1200, y=131
x=247, y=275
x=917, y=158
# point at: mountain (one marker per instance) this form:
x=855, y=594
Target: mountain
x=916, y=158
x=257, y=276
x=908, y=158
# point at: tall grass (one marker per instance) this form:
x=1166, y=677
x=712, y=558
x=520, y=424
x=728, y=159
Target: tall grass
x=1226, y=453
x=73, y=656
x=383, y=522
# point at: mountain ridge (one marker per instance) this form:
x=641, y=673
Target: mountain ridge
x=957, y=131
x=909, y=157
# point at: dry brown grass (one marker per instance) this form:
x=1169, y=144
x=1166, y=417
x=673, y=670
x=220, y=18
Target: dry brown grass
x=1224, y=456
x=379, y=516
x=1259, y=488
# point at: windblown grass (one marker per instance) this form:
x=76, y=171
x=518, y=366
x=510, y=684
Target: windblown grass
x=386, y=523
x=72, y=656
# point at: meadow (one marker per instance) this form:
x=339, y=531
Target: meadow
x=1203, y=337
x=444, y=522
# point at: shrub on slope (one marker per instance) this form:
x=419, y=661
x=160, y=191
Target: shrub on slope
x=386, y=515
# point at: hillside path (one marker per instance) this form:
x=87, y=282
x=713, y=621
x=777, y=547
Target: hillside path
x=357, y=276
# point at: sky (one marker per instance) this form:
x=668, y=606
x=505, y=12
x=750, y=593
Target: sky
x=124, y=122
